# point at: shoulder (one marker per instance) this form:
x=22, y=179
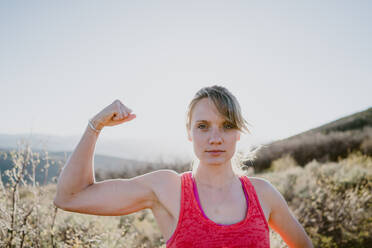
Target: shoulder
x=160, y=176
x=268, y=191
x=261, y=184
x=163, y=179
x=166, y=186
x=166, y=173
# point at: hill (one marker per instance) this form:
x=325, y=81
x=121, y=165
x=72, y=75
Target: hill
x=355, y=121
x=328, y=142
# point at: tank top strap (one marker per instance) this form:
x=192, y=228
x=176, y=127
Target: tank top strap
x=186, y=191
x=190, y=202
x=187, y=188
x=186, y=206
x=252, y=194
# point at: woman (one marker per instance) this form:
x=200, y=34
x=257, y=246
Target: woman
x=213, y=205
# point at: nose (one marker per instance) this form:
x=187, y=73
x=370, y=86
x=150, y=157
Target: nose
x=215, y=137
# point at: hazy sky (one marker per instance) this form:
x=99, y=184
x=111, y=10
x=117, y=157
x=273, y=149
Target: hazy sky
x=293, y=65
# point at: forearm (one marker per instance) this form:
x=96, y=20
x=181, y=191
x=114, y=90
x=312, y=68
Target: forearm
x=78, y=172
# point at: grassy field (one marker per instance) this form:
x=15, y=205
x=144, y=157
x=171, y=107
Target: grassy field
x=332, y=200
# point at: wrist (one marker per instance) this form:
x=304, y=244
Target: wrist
x=94, y=126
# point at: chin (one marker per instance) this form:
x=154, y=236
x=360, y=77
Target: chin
x=215, y=162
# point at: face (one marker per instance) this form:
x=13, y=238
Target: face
x=214, y=138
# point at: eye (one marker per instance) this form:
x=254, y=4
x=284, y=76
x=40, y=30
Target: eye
x=202, y=126
x=229, y=126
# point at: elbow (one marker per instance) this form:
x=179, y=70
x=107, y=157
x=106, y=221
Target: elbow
x=60, y=203
x=61, y=199
x=57, y=202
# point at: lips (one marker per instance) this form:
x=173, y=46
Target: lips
x=215, y=152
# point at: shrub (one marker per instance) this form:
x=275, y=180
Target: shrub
x=28, y=217
x=283, y=163
x=331, y=200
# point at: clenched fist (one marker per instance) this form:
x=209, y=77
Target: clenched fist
x=114, y=114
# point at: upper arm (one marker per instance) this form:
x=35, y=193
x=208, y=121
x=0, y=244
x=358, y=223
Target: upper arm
x=117, y=196
x=283, y=221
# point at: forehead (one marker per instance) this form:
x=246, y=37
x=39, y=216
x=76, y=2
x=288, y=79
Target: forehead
x=205, y=109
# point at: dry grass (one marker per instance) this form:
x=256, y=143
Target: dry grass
x=332, y=200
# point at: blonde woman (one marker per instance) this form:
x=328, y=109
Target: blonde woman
x=214, y=205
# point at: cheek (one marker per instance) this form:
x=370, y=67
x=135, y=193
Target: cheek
x=231, y=141
x=199, y=143
x=197, y=136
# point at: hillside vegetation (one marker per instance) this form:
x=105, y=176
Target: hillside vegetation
x=325, y=143
x=326, y=178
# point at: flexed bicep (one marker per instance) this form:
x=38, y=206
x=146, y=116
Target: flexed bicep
x=115, y=196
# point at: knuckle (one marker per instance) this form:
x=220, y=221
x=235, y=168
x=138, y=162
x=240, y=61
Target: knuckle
x=128, y=110
x=123, y=108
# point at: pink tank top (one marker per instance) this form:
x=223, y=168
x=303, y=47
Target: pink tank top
x=195, y=229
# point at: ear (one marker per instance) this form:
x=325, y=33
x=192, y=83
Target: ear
x=238, y=136
x=189, y=135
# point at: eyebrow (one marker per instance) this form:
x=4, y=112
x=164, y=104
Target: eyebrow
x=209, y=121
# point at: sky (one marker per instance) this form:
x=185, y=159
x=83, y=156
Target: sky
x=293, y=65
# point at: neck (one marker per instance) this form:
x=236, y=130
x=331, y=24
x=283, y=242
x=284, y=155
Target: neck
x=216, y=176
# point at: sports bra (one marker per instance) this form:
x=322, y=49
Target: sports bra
x=195, y=229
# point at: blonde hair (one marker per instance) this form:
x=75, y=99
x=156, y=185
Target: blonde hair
x=229, y=107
